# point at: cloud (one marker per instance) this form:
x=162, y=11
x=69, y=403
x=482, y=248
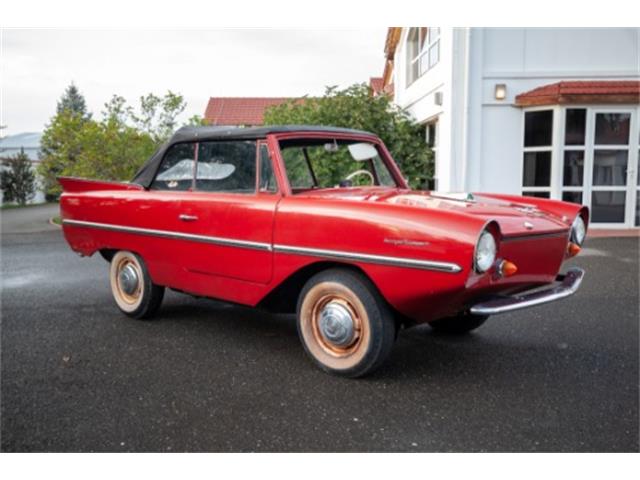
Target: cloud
x=37, y=65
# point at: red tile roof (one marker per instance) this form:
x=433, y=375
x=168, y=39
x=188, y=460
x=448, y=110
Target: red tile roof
x=245, y=111
x=582, y=92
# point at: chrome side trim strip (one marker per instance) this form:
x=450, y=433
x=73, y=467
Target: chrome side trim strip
x=570, y=283
x=175, y=235
x=314, y=252
x=367, y=258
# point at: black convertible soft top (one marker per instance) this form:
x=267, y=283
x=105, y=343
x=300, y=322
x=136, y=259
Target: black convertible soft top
x=145, y=175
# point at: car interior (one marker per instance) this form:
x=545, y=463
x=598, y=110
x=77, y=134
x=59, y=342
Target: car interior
x=330, y=163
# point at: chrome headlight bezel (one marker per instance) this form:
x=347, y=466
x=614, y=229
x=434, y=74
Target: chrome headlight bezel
x=578, y=230
x=486, y=252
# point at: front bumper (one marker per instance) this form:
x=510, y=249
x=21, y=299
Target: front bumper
x=568, y=285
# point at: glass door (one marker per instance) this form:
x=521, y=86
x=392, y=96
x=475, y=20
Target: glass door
x=612, y=163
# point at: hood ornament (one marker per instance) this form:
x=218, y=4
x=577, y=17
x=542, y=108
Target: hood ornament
x=528, y=225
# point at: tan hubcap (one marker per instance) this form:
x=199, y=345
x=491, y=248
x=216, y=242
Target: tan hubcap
x=126, y=280
x=334, y=325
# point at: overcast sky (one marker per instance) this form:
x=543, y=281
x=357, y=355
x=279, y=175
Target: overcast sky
x=37, y=65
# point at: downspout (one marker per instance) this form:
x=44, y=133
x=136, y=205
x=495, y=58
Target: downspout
x=466, y=72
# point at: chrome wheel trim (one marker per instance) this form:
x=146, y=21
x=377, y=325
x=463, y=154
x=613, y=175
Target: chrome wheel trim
x=128, y=279
x=336, y=324
x=349, y=344
x=349, y=350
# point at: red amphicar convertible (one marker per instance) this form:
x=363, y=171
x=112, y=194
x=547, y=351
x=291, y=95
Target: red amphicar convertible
x=320, y=221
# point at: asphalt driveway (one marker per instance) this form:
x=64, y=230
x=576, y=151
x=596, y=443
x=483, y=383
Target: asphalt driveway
x=205, y=376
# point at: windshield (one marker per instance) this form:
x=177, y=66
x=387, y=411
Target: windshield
x=326, y=163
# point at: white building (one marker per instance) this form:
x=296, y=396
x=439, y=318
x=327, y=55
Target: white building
x=30, y=143
x=550, y=112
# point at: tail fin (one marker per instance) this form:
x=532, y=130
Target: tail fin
x=75, y=184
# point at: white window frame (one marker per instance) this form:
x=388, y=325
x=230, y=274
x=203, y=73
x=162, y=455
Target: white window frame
x=550, y=148
x=422, y=53
x=632, y=163
x=562, y=148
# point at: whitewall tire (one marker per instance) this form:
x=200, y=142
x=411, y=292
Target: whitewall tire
x=134, y=292
x=344, y=323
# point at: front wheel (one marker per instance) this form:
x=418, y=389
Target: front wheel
x=344, y=324
x=134, y=292
x=458, y=325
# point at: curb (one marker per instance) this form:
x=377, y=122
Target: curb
x=614, y=233
x=51, y=222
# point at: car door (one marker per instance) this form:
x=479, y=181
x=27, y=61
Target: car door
x=230, y=213
x=155, y=215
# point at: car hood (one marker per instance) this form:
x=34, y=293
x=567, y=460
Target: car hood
x=514, y=218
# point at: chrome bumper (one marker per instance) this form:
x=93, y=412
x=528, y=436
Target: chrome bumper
x=569, y=284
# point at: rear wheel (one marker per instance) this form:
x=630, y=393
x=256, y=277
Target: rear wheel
x=344, y=324
x=458, y=325
x=134, y=292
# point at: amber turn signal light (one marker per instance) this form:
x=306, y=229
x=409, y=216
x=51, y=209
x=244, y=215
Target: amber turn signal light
x=507, y=268
x=573, y=249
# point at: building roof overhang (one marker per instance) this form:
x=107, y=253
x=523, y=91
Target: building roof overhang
x=582, y=92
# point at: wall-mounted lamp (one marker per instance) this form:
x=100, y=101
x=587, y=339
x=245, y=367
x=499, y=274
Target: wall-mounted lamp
x=501, y=91
x=437, y=98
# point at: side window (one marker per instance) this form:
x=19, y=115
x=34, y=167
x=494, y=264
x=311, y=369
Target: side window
x=227, y=167
x=176, y=169
x=297, y=166
x=384, y=177
x=267, y=178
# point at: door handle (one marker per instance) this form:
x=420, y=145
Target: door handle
x=187, y=218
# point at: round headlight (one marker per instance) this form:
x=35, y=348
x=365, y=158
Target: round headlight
x=485, y=252
x=578, y=230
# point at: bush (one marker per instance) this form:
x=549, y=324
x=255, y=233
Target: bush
x=355, y=107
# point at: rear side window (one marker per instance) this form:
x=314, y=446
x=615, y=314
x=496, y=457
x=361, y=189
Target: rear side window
x=226, y=167
x=176, y=169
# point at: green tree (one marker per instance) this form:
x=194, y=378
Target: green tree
x=60, y=148
x=196, y=121
x=355, y=107
x=112, y=148
x=17, y=179
x=73, y=101
x=158, y=115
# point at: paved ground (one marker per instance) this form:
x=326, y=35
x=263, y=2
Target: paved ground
x=29, y=219
x=78, y=376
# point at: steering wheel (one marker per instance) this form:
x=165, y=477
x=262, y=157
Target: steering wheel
x=361, y=172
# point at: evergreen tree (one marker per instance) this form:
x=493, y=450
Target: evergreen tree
x=17, y=179
x=73, y=101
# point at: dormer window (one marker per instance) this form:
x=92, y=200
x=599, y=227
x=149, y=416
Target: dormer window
x=423, y=51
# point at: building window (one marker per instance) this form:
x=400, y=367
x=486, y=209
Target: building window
x=537, y=157
x=575, y=135
x=423, y=51
x=610, y=167
x=431, y=132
